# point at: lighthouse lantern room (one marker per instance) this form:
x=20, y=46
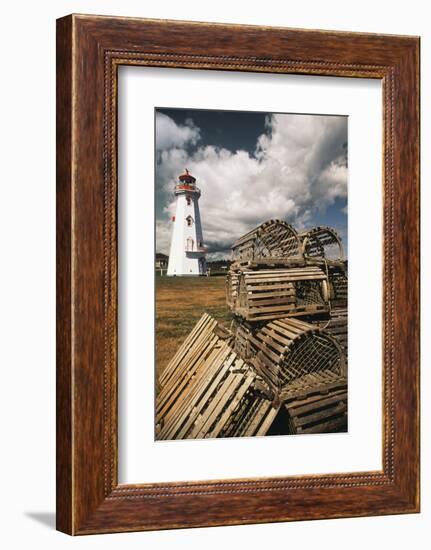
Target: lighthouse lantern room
x=187, y=254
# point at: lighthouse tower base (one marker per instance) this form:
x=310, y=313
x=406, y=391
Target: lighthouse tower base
x=188, y=267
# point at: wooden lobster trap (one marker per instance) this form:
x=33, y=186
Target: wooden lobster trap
x=262, y=295
x=201, y=386
x=321, y=243
x=273, y=241
x=293, y=356
x=321, y=410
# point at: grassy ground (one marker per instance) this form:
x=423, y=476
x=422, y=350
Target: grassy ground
x=180, y=303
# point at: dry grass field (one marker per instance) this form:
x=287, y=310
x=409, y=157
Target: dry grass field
x=180, y=302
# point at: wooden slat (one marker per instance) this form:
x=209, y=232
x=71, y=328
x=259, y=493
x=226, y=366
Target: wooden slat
x=321, y=415
x=270, y=294
x=263, y=410
x=193, y=406
x=204, y=323
x=271, y=413
x=200, y=429
x=322, y=402
x=245, y=384
x=185, y=402
x=332, y=425
x=299, y=312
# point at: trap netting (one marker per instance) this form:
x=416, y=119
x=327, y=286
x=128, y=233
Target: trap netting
x=291, y=354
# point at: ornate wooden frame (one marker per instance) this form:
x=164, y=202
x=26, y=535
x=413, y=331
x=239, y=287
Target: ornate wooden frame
x=89, y=51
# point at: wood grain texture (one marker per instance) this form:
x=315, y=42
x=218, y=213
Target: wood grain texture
x=64, y=496
x=90, y=49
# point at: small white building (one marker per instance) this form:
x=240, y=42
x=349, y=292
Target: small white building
x=187, y=253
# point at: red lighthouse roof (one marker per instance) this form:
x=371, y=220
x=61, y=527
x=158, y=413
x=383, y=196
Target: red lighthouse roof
x=187, y=177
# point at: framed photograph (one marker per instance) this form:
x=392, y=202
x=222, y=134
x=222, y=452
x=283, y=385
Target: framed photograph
x=237, y=274
x=251, y=331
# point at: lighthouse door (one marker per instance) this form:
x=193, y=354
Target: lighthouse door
x=190, y=244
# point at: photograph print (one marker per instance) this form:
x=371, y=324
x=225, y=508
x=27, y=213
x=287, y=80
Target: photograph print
x=251, y=273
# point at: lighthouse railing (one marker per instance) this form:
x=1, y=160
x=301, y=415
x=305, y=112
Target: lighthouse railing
x=187, y=187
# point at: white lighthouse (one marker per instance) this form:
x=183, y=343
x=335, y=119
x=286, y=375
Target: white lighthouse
x=187, y=255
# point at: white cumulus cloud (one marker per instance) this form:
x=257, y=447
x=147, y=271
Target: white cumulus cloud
x=169, y=134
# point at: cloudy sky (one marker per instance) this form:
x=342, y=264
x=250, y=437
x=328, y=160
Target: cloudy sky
x=251, y=167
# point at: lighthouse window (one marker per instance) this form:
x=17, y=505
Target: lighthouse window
x=189, y=201
x=189, y=221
